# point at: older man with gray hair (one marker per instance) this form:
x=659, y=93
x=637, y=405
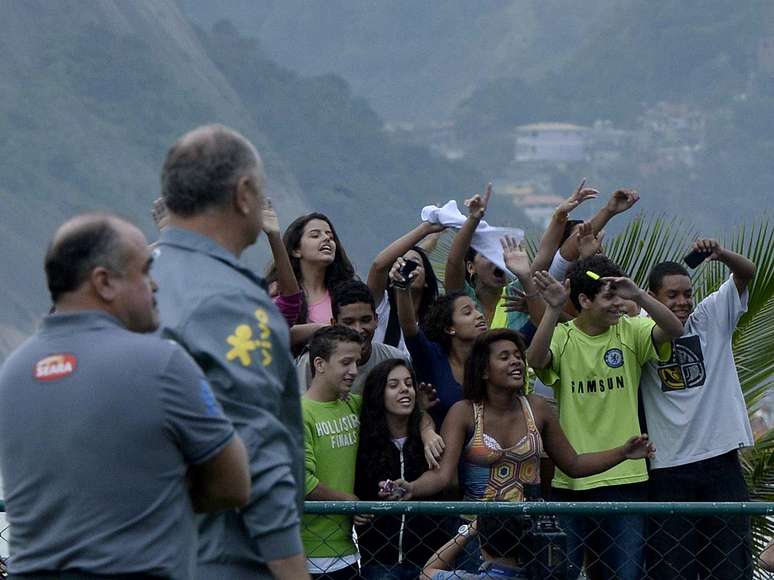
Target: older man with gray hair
x=218, y=309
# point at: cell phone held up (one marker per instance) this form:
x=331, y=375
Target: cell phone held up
x=696, y=257
x=408, y=267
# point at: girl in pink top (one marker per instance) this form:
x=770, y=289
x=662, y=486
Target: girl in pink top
x=319, y=263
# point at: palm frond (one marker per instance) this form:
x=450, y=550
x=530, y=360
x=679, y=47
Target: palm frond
x=438, y=256
x=754, y=355
x=645, y=242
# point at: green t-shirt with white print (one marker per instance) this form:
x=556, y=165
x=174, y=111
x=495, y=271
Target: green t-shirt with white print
x=331, y=435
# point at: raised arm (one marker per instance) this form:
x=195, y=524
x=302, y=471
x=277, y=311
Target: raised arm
x=455, y=261
x=407, y=317
x=668, y=326
x=561, y=451
x=380, y=267
x=517, y=261
x=554, y=295
x=552, y=237
x=286, y=278
x=620, y=201
x=742, y=268
x=589, y=243
x=429, y=242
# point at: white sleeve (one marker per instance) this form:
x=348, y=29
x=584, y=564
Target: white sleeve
x=725, y=306
x=559, y=266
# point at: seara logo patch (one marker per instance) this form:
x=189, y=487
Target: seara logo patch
x=55, y=367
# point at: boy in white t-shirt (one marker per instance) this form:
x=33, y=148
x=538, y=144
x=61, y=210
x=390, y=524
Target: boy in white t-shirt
x=697, y=417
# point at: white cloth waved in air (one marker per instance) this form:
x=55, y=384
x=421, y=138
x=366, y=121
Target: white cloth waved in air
x=486, y=239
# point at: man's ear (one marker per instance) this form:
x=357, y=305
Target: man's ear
x=333, y=322
x=103, y=284
x=242, y=193
x=584, y=301
x=319, y=365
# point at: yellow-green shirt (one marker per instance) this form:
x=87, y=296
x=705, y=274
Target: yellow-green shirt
x=595, y=379
x=501, y=318
x=331, y=434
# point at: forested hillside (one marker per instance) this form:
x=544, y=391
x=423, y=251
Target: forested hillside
x=486, y=68
x=712, y=59
x=94, y=91
x=414, y=60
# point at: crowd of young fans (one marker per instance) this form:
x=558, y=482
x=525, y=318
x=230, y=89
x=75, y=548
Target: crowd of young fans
x=416, y=387
x=594, y=337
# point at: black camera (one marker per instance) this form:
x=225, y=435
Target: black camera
x=544, y=542
x=408, y=267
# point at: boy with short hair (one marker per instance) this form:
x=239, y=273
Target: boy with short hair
x=353, y=306
x=697, y=414
x=594, y=363
x=331, y=417
x=331, y=432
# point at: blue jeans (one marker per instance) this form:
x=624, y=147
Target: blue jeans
x=394, y=572
x=614, y=545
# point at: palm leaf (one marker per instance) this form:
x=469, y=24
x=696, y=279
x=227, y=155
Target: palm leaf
x=644, y=242
x=438, y=256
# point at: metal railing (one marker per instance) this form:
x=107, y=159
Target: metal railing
x=539, y=538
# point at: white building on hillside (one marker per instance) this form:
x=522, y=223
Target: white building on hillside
x=551, y=143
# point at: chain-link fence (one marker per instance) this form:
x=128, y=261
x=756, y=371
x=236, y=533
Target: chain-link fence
x=540, y=540
x=533, y=540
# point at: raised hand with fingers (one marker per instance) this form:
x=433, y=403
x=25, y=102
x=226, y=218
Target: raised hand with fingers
x=515, y=301
x=477, y=204
x=622, y=200
x=269, y=218
x=588, y=243
x=553, y=292
x=514, y=256
x=639, y=447
x=578, y=197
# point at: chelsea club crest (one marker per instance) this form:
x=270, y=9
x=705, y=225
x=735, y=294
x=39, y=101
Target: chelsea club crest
x=614, y=358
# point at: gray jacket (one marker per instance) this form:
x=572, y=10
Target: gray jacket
x=219, y=311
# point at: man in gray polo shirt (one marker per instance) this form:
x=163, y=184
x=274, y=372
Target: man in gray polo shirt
x=108, y=436
x=219, y=311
